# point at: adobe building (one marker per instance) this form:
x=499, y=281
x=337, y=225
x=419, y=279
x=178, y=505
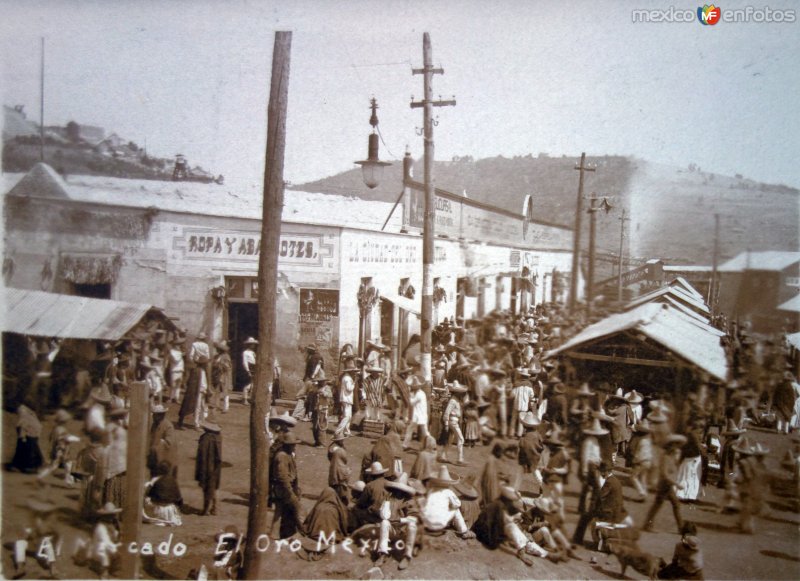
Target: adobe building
x=192, y=249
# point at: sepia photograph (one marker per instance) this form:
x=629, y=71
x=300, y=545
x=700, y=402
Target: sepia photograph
x=399, y=289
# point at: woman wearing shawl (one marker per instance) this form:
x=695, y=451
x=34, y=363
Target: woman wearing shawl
x=691, y=466
x=27, y=457
x=339, y=472
x=493, y=473
x=163, y=498
x=425, y=466
x=384, y=452
x=328, y=516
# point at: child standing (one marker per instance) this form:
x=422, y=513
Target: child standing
x=472, y=428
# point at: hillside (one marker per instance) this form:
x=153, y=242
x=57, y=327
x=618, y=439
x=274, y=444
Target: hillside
x=671, y=209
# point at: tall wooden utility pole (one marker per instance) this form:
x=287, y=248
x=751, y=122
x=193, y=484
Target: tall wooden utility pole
x=41, y=106
x=622, y=221
x=593, y=209
x=428, y=104
x=576, y=247
x=712, y=291
x=267, y=291
x=135, y=462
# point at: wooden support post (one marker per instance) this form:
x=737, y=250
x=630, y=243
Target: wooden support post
x=138, y=430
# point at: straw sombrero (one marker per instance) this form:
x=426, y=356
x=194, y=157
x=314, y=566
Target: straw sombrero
x=210, y=426
x=529, y=419
x=108, y=509
x=634, y=397
x=442, y=479
x=675, y=439
x=584, y=390
x=595, y=429
x=401, y=484
x=283, y=418
x=250, y=341
x=466, y=489
x=732, y=430
x=456, y=387
x=376, y=469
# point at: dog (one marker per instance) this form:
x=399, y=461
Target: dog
x=629, y=554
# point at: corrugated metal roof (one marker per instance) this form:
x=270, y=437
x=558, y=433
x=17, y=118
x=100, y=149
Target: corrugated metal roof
x=44, y=314
x=792, y=305
x=772, y=260
x=239, y=200
x=664, y=325
x=684, y=284
x=675, y=292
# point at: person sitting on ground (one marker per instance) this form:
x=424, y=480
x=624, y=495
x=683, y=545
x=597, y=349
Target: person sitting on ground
x=498, y=523
x=402, y=520
x=163, y=500
x=40, y=539
x=426, y=465
x=441, y=506
x=367, y=509
x=687, y=559
x=328, y=516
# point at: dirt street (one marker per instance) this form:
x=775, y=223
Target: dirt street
x=772, y=553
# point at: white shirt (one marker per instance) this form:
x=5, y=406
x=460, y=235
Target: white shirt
x=199, y=349
x=440, y=508
x=248, y=360
x=419, y=405
x=522, y=399
x=176, y=361
x=348, y=387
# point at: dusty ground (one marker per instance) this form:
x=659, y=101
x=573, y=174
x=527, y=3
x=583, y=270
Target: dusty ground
x=773, y=553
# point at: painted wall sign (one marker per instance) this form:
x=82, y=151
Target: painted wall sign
x=461, y=218
x=377, y=249
x=307, y=250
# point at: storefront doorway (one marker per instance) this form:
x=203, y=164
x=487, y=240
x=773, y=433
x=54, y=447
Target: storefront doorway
x=242, y=323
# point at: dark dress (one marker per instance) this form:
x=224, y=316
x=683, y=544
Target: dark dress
x=28, y=456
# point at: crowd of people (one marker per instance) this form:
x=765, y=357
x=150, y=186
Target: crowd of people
x=493, y=387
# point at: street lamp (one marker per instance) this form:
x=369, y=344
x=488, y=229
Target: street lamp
x=372, y=167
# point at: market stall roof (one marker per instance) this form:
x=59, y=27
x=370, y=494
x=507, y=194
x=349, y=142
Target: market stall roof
x=675, y=293
x=792, y=305
x=684, y=285
x=794, y=340
x=771, y=260
x=664, y=325
x=43, y=314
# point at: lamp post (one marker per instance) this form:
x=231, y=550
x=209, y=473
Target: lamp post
x=372, y=167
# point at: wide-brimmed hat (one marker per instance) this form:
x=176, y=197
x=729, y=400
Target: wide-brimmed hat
x=108, y=509
x=744, y=447
x=250, y=341
x=376, y=345
x=210, y=426
x=555, y=440
x=558, y=388
x=374, y=369
x=101, y=394
x=643, y=427
x=603, y=416
x=416, y=382
x=595, y=429
x=338, y=437
x=62, y=416
x=289, y=439
x=417, y=485
x=732, y=429
x=350, y=369
x=529, y=419
x=321, y=380
x=376, y=469
x=403, y=370
x=675, y=440
x=222, y=346
x=401, y=484
x=523, y=371
x=584, y=390
x=358, y=486
x=201, y=336
x=657, y=418
x=549, y=364
x=634, y=397
x=760, y=449
x=178, y=340
x=466, y=489
x=497, y=371
x=456, y=387
x=442, y=478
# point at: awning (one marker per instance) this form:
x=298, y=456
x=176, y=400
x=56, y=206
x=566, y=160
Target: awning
x=410, y=305
x=673, y=330
x=792, y=305
x=42, y=314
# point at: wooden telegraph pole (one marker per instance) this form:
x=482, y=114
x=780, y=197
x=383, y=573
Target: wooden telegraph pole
x=138, y=432
x=622, y=221
x=712, y=291
x=576, y=247
x=430, y=206
x=267, y=291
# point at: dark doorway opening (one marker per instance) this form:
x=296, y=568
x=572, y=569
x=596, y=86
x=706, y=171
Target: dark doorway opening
x=387, y=314
x=92, y=291
x=242, y=323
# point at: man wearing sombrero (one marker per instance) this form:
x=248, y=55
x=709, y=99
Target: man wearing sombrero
x=441, y=507
x=419, y=413
x=249, y=367
x=347, y=388
x=175, y=368
x=402, y=521
x=668, y=482
x=451, y=419
x=208, y=467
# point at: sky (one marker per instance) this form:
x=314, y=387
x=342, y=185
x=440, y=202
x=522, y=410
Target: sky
x=555, y=77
